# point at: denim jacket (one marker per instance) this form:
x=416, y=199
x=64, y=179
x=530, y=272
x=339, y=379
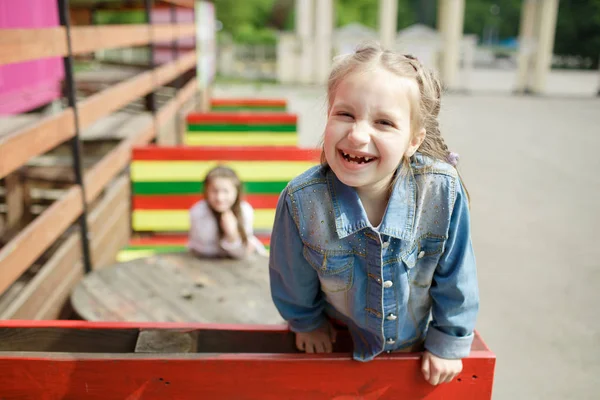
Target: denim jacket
x=411, y=281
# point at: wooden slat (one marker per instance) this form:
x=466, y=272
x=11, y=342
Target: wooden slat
x=29, y=244
x=37, y=292
x=86, y=39
x=115, y=161
x=109, y=100
x=166, y=32
x=20, y=146
x=18, y=45
x=169, y=110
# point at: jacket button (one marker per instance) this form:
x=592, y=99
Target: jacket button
x=385, y=245
x=391, y=317
x=388, y=284
x=390, y=341
x=421, y=254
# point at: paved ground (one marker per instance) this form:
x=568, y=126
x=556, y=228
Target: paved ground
x=531, y=165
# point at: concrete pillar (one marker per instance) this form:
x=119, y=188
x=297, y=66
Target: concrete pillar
x=388, y=22
x=527, y=44
x=304, y=31
x=548, y=12
x=452, y=14
x=323, y=39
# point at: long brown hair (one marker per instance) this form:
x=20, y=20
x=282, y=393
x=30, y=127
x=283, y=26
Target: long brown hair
x=222, y=171
x=407, y=66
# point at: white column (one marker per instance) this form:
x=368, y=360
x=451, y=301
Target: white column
x=304, y=30
x=323, y=39
x=527, y=44
x=548, y=12
x=388, y=22
x=452, y=14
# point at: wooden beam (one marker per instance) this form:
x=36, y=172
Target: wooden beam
x=86, y=39
x=109, y=100
x=18, y=45
x=182, y=3
x=18, y=255
x=115, y=161
x=14, y=188
x=169, y=110
x=37, y=292
x=20, y=146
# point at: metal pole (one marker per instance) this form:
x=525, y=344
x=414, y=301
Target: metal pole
x=177, y=83
x=63, y=9
x=150, y=97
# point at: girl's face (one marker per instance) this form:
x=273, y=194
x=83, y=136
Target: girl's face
x=368, y=130
x=221, y=194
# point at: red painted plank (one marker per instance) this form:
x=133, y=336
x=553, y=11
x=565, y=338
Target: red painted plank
x=242, y=118
x=257, y=201
x=247, y=376
x=77, y=324
x=167, y=240
x=225, y=153
x=248, y=102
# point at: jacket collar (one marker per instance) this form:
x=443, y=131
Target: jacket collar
x=350, y=215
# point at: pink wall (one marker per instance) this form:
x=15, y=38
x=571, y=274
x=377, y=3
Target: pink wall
x=27, y=85
x=162, y=51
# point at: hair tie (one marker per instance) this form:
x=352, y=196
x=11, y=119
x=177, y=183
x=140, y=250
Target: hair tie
x=452, y=158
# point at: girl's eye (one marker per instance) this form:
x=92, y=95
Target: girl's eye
x=345, y=114
x=385, y=122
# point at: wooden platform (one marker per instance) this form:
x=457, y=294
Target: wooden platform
x=178, y=287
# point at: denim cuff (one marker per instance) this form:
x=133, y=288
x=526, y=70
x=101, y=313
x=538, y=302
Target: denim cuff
x=448, y=346
x=306, y=325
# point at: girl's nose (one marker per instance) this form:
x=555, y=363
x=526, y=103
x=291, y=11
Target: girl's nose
x=359, y=134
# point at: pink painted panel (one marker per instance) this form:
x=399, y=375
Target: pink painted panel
x=162, y=52
x=27, y=85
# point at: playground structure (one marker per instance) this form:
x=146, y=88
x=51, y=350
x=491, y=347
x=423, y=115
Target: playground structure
x=87, y=227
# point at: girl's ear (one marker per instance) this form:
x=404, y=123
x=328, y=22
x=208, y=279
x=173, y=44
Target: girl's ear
x=415, y=142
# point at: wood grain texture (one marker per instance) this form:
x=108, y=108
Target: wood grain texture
x=20, y=146
x=236, y=376
x=30, y=243
x=18, y=45
x=35, y=296
x=178, y=287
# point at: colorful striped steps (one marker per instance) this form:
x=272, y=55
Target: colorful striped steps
x=167, y=181
x=248, y=104
x=241, y=129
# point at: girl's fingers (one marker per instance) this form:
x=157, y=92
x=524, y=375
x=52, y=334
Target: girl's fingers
x=327, y=346
x=425, y=368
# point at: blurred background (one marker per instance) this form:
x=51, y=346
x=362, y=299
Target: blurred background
x=521, y=107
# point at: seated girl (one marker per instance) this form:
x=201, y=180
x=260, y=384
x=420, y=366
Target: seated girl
x=221, y=224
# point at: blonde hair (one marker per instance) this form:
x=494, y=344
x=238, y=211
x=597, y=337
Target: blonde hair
x=222, y=171
x=407, y=66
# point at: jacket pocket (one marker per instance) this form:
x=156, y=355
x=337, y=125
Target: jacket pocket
x=336, y=272
x=421, y=262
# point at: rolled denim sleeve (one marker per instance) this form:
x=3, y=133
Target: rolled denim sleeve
x=455, y=291
x=295, y=287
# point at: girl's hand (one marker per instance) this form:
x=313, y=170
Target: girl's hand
x=230, y=226
x=318, y=341
x=438, y=370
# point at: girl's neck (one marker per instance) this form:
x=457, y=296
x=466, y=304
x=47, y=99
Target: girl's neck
x=374, y=200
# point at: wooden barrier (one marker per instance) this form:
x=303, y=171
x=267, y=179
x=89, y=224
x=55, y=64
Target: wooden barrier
x=241, y=129
x=95, y=360
x=43, y=295
x=247, y=104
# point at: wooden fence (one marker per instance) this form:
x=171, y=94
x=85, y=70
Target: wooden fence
x=103, y=189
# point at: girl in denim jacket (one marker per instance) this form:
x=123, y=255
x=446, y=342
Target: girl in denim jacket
x=378, y=236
